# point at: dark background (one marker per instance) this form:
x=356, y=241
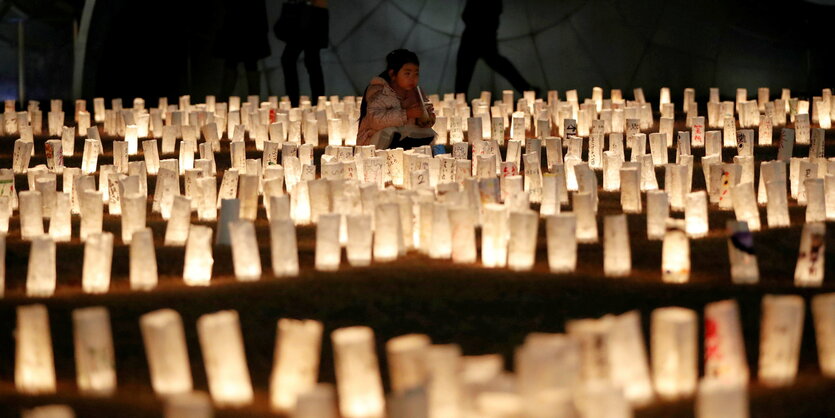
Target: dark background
x=152, y=48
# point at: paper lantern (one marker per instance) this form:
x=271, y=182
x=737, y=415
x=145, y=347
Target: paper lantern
x=617, y=256
x=777, y=210
x=443, y=363
x=328, y=250
x=357, y=373
x=177, y=228
x=612, y=163
x=165, y=348
x=463, y=235
x=207, y=204
x=547, y=365
x=494, y=235
x=31, y=214
x=810, y=260
x=133, y=215
x=521, y=251
x=222, y=346
x=49, y=411
x=245, y=254
x=674, y=348
x=41, y=275
x=248, y=195
x=780, y=331
x=60, y=226
x=815, y=200
x=441, y=232
x=197, y=268
x=283, y=248
x=602, y=399
x=143, y=261
x=658, y=210
x=387, y=232
x=630, y=190
x=98, y=257
x=319, y=402
x=695, y=214
x=188, y=405
x=628, y=357
x=745, y=205
x=406, y=357
x=586, y=220
x=561, y=235
x=823, y=313
x=34, y=366
x=593, y=337
x=741, y=253
x=721, y=399
x=296, y=362
x=675, y=253
x=829, y=192
x=360, y=237
x=94, y=358
x=724, y=346
x=552, y=189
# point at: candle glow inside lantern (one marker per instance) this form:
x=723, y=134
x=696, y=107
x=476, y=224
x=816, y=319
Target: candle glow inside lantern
x=31, y=214
x=283, y=248
x=245, y=255
x=617, y=256
x=94, y=358
x=744, y=268
x=328, y=250
x=695, y=214
x=781, y=329
x=463, y=235
x=41, y=275
x=98, y=258
x=810, y=260
x=296, y=362
x=674, y=351
x=358, y=379
x=521, y=249
x=745, y=205
x=387, y=232
x=675, y=256
x=197, y=268
x=143, y=261
x=658, y=210
x=165, y=347
x=630, y=190
x=561, y=235
x=724, y=346
x=823, y=312
x=222, y=346
x=360, y=238
x=586, y=220
x=34, y=366
x=494, y=235
x=777, y=213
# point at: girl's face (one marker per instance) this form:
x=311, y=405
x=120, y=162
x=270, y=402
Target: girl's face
x=407, y=77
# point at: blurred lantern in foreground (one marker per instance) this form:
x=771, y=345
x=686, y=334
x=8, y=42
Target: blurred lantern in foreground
x=49, y=411
x=823, y=311
x=296, y=362
x=222, y=346
x=188, y=405
x=94, y=358
x=780, y=331
x=165, y=347
x=810, y=260
x=718, y=398
x=674, y=348
x=724, y=346
x=34, y=367
x=675, y=253
x=357, y=373
x=197, y=269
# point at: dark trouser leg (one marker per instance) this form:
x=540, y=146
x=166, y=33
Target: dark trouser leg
x=253, y=77
x=468, y=53
x=291, y=74
x=230, y=76
x=314, y=70
x=505, y=68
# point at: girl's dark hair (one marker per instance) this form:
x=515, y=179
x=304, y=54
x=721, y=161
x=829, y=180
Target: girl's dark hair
x=395, y=60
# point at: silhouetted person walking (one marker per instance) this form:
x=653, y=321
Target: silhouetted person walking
x=242, y=39
x=479, y=40
x=310, y=37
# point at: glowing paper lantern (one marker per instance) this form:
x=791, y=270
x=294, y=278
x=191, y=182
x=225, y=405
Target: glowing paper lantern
x=143, y=261
x=777, y=213
x=222, y=346
x=658, y=210
x=630, y=190
x=815, y=200
x=695, y=214
x=387, y=232
x=494, y=235
x=245, y=254
x=31, y=214
x=188, y=405
x=612, y=163
x=745, y=205
x=197, y=268
x=406, y=357
x=94, y=358
x=675, y=255
x=165, y=347
x=586, y=221
x=177, y=228
x=60, y=226
x=41, y=275
x=561, y=235
x=133, y=215
x=617, y=256
x=357, y=373
x=674, y=348
x=602, y=399
x=546, y=366
x=319, y=402
x=443, y=363
x=328, y=250
x=521, y=250
x=98, y=257
x=823, y=312
x=780, y=332
x=810, y=260
x=463, y=235
x=360, y=237
x=724, y=346
x=283, y=248
x=34, y=367
x=49, y=411
x=296, y=362
x=721, y=399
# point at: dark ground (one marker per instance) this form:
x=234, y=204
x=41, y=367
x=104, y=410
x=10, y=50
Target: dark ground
x=483, y=310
